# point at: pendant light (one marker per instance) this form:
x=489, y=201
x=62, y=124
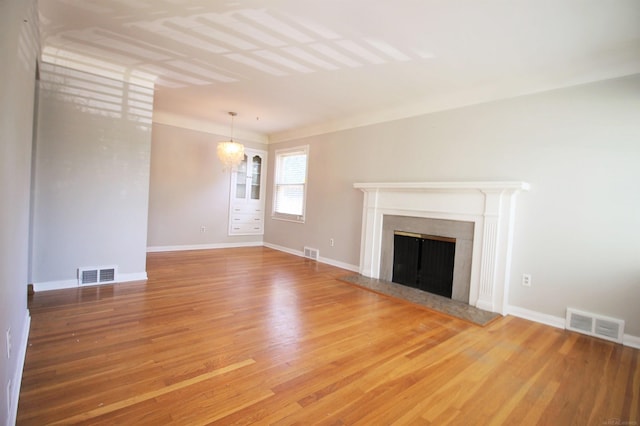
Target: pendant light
x=229, y=152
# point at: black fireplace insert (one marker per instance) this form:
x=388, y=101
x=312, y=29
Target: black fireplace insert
x=424, y=262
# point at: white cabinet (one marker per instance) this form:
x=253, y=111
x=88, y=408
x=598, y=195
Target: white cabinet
x=246, y=206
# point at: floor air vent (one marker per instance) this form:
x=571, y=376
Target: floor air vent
x=311, y=253
x=101, y=275
x=595, y=325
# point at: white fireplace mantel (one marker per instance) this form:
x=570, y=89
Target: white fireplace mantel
x=489, y=205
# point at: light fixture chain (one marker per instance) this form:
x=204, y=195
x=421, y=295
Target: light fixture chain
x=233, y=116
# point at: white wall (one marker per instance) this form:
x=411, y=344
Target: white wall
x=578, y=229
x=18, y=50
x=91, y=176
x=189, y=189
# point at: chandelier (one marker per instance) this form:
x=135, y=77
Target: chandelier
x=229, y=152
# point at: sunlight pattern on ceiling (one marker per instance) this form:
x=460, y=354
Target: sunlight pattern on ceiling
x=210, y=48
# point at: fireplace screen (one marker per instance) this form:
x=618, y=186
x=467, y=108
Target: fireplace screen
x=424, y=262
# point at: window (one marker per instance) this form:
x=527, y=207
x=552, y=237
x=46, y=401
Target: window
x=290, y=184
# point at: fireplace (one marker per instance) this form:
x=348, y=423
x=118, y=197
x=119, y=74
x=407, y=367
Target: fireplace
x=459, y=231
x=482, y=212
x=424, y=262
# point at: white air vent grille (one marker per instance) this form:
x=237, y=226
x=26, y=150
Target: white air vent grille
x=595, y=325
x=107, y=275
x=89, y=276
x=98, y=275
x=581, y=322
x=608, y=329
x=311, y=253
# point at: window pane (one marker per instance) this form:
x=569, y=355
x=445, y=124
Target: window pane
x=290, y=183
x=289, y=199
x=294, y=169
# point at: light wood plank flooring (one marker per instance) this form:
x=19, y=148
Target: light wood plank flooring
x=256, y=336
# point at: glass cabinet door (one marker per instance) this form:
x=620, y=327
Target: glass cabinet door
x=256, y=170
x=241, y=180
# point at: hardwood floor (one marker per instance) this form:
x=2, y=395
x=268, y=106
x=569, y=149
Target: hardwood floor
x=253, y=335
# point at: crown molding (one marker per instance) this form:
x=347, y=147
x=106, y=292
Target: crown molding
x=171, y=119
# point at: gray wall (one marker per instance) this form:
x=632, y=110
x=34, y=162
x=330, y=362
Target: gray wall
x=189, y=189
x=18, y=50
x=578, y=229
x=91, y=175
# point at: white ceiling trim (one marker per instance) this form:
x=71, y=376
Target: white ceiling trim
x=444, y=102
x=171, y=119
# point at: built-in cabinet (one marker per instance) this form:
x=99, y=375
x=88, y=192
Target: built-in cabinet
x=246, y=206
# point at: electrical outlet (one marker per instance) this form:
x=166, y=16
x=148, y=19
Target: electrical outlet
x=203, y=228
x=8, y=343
x=331, y=242
x=526, y=280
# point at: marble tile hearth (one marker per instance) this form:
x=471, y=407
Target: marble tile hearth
x=432, y=301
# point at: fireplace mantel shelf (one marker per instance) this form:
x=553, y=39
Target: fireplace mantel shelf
x=425, y=186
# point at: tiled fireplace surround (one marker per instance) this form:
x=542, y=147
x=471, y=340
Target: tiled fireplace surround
x=488, y=206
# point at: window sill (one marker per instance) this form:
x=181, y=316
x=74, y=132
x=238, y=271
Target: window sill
x=288, y=218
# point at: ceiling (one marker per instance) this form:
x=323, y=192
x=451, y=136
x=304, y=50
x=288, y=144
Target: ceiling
x=292, y=68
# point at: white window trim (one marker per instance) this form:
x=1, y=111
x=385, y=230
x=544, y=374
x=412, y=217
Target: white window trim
x=284, y=216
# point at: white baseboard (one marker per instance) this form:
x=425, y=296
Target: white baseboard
x=338, y=264
x=285, y=249
x=17, y=376
x=63, y=284
x=136, y=276
x=631, y=341
x=332, y=262
x=156, y=249
x=559, y=322
x=553, y=321
x=55, y=285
